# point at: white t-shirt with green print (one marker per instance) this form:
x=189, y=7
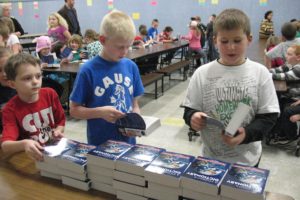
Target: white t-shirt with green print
x=216, y=90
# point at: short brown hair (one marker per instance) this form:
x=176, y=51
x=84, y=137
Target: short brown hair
x=289, y=30
x=231, y=19
x=90, y=33
x=9, y=23
x=4, y=29
x=297, y=49
x=15, y=61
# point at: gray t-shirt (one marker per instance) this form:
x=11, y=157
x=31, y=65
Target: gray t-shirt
x=216, y=90
x=280, y=50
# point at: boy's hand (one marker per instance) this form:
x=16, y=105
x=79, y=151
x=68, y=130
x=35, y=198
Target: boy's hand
x=33, y=149
x=128, y=133
x=198, y=121
x=44, y=65
x=57, y=134
x=296, y=103
x=236, y=140
x=295, y=118
x=111, y=114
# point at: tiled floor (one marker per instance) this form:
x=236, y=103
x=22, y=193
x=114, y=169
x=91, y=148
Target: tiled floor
x=172, y=135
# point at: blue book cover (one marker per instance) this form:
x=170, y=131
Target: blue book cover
x=246, y=178
x=110, y=149
x=66, y=52
x=141, y=155
x=77, y=154
x=170, y=163
x=48, y=59
x=207, y=170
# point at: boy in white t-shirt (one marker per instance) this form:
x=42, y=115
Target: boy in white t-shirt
x=217, y=87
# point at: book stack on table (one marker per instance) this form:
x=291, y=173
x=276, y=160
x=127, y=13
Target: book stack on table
x=163, y=175
x=66, y=160
x=129, y=181
x=244, y=182
x=101, y=164
x=203, y=178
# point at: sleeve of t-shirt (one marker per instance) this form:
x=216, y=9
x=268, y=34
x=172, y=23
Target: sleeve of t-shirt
x=267, y=98
x=80, y=89
x=276, y=52
x=10, y=126
x=58, y=111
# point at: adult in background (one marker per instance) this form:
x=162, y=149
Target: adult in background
x=266, y=26
x=212, y=51
x=68, y=12
x=5, y=12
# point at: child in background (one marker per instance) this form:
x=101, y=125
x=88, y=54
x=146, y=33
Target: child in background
x=153, y=31
x=13, y=41
x=272, y=41
x=285, y=130
x=288, y=31
x=34, y=116
x=94, y=47
x=166, y=37
x=4, y=33
x=194, y=37
x=6, y=92
x=58, y=29
x=108, y=86
x=217, y=87
x=297, y=24
x=77, y=52
x=43, y=50
x=141, y=40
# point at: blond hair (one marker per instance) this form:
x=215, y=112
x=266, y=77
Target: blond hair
x=231, y=19
x=117, y=24
x=296, y=48
x=60, y=19
x=9, y=23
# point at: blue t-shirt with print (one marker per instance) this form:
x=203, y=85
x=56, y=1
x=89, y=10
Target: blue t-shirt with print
x=103, y=83
x=152, y=32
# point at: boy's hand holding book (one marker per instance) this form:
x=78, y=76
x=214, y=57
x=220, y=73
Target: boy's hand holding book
x=198, y=121
x=236, y=140
x=110, y=114
x=33, y=149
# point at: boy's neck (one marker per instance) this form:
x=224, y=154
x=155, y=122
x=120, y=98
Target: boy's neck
x=29, y=99
x=106, y=57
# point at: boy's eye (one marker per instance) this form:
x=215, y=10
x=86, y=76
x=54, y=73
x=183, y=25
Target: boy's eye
x=237, y=41
x=38, y=76
x=224, y=41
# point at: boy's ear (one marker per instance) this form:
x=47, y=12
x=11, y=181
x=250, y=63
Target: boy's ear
x=250, y=37
x=102, y=39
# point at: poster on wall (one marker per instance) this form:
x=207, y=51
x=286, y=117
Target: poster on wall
x=263, y=2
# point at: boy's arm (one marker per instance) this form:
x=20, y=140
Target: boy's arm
x=260, y=126
x=136, y=107
x=31, y=147
x=108, y=113
x=194, y=118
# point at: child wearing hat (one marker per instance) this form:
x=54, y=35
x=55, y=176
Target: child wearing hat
x=43, y=51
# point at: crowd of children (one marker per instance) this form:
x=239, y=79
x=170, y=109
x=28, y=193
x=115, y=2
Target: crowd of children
x=108, y=85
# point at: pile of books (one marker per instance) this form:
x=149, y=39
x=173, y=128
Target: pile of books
x=203, y=178
x=140, y=172
x=66, y=161
x=164, y=173
x=101, y=164
x=129, y=181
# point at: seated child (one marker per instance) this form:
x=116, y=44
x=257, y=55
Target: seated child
x=43, y=51
x=94, y=47
x=272, y=41
x=285, y=130
x=6, y=92
x=77, y=52
x=34, y=117
x=166, y=37
x=194, y=37
x=141, y=40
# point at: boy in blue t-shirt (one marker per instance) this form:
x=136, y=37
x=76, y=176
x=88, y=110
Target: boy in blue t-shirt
x=108, y=86
x=152, y=31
